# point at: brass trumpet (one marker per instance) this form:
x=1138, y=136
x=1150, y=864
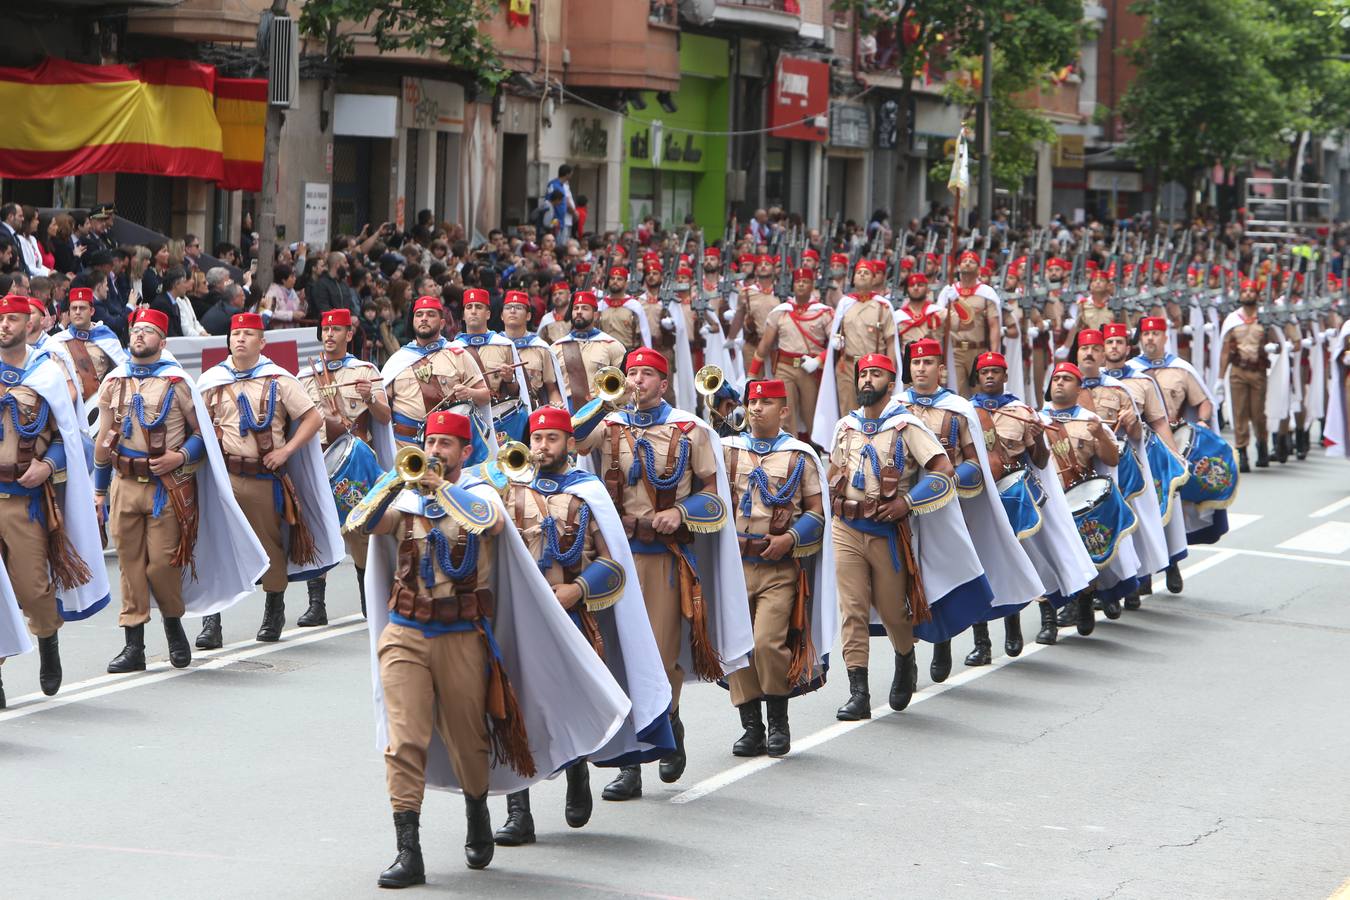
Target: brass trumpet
x=412, y=463
x=609, y=384
x=708, y=380
x=516, y=462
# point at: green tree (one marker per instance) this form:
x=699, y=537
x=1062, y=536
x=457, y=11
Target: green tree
x=448, y=29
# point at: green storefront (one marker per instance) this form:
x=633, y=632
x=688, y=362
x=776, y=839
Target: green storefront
x=668, y=170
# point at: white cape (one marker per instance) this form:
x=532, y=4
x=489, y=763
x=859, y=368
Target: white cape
x=827, y=402
x=100, y=335
x=1335, y=431
x=14, y=637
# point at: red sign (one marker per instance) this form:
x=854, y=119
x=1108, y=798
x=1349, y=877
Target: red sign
x=799, y=103
x=283, y=353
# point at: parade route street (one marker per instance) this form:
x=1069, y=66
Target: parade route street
x=1194, y=748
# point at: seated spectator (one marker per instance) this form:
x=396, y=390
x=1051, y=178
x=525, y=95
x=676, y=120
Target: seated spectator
x=281, y=305
x=217, y=318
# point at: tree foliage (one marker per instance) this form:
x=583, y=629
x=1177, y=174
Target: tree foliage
x=449, y=29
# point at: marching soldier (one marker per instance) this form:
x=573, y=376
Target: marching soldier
x=776, y=484
x=543, y=378
x=863, y=325
x=279, y=482
x=469, y=645
x=796, y=335
x=622, y=316
x=93, y=348
x=703, y=330
x=495, y=356
x=971, y=322
x=46, y=551
x=1243, y=361
x=572, y=530
x=159, y=480
x=554, y=323
x=1047, y=331
x=350, y=397
x=583, y=351
x=662, y=468
x=916, y=318
x=757, y=300
x=428, y=373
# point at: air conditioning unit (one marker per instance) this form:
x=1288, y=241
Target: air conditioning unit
x=283, y=83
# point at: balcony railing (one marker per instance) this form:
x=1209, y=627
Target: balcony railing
x=663, y=12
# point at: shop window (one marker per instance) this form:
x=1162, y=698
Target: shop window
x=641, y=195
x=677, y=197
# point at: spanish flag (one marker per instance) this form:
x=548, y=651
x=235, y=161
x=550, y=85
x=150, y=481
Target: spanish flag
x=241, y=109
x=157, y=117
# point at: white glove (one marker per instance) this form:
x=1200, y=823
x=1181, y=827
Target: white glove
x=1186, y=329
x=1033, y=332
x=705, y=330
x=1219, y=392
x=668, y=323
x=1345, y=358
x=837, y=341
x=1326, y=335
x=740, y=341
x=1209, y=328
x=1271, y=349
x=728, y=315
x=1061, y=353
x=810, y=364
x=1068, y=323
x=1306, y=343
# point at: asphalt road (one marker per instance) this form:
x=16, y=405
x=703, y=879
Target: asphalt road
x=1195, y=748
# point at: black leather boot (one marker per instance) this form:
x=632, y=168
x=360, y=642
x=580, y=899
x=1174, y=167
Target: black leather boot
x=780, y=739
x=49, y=667
x=317, y=614
x=1242, y=460
x=519, y=825
x=1145, y=585
x=941, y=666
x=1049, y=632
x=1087, y=619
x=1111, y=608
x=407, y=869
x=478, y=844
x=1282, y=448
x=1132, y=601
x=577, y=809
x=859, y=705
x=982, y=654
x=627, y=786
x=1012, y=635
x=1262, y=453
x=906, y=680
x=751, y=742
x=274, y=617
x=1303, y=439
x=180, y=651
x=671, y=766
x=1174, y=583
x=132, y=657
x=1068, y=614
x=2, y=691
x=209, y=638
x=361, y=587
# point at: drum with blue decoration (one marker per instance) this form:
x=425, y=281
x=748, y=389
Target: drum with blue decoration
x=1103, y=517
x=1129, y=474
x=1169, y=474
x=1212, y=467
x=1022, y=497
x=511, y=421
x=352, y=469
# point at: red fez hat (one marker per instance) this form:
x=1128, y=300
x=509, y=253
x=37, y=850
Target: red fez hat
x=770, y=388
x=838, y=259
x=550, y=418
x=810, y=253
x=341, y=317
x=1115, y=330
x=1153, y=323
x=1090, y=265
x=803, y=274
x=684, y=272
x=1089, y=337
x=652, y=264
x=618, y=272
x=968, y=255
x=151, y=317
x=585, y=298
x=925, y=347
x=246, y=320
x=712, y=251
x=81, y=294
x=519, y=298
x=649, y=358
x=985, y=360
x=37, y=306
x=932, y=258
x=430, y=303
x=877, y=361
x=582, y=268
x=476, y=295
x=446, y=422
x=1249, y=285
x=1055, y=262
x=1069, y=369
x=986, y=270
x=1161, y=265
x=13, y=303
x=557, y=286
x=916, y=278
x=907, y=263
x=685, y=259
x=764, y=259
x=746, y=258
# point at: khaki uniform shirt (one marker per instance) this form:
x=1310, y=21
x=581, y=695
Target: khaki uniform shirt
x=975, y=326
x=868, y=326
x=29, y=401
x=847, y=458
x=492, y=356
x=449, y=365
x=539, y=372
x=1249, y=338
x=1179, y=390
x=908, y=331
x=815, y=322
x=1090, y=315
x=1108, y=400
x=223, y=405
x=554, y=330
x=442, y=586
x=595, y=355
x=1081, y=447
x=933, y=418
x=778, y=465
x=622, y=323
x=152, y=391
x=1146, y=398
x=523, y=508
x=337, y=398
x=758, y=305
x=637, y=501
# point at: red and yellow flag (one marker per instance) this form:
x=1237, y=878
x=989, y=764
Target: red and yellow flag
x=241, y=109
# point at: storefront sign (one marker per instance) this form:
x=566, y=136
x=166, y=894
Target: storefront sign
x=677, y=147
x=888, y=116
x=800, y=100
x=849, y=126
x=1102, y=180
x=432, y=105
x=316, y=227
x=587, y=137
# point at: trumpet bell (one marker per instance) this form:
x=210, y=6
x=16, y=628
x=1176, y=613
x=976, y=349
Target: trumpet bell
x=515, y=462
x=412, y=463
x=708, y=380
x=609, y=384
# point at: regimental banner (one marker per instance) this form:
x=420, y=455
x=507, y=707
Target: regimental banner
x=157, y=117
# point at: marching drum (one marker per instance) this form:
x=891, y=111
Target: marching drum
x=510, y=421
x=1129, y=474
x=1212, y=466
x=352, y=469
x=1022, y=497
x=1102, y=516
x=1169, y=472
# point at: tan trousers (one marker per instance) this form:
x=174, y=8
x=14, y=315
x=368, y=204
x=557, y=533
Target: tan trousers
x=802, y=391
x=658, y=575
x=145, y=545
x=846, y=381
x=772, y=588
x=437, y=682
x=1249, y=404
x=866, y=579
x=965, y=364
x=255, y=499
x=24, y=546
x=357, y=545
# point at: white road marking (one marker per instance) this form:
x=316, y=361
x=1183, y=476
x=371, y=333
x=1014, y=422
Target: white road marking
x=1330, y=508
x=1332, y=538
x=750, y=767
x=1238, y=520
x=1269, y=554
x=103, y=685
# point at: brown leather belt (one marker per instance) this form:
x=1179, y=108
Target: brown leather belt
x=966, y=345
x=855, y=509
x=753, y=546
x=244, y=465
x=12, y=471
x=784, y=358
x=1257, y=366
x=405, y=430
x=642, y=530
x=137, y=467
